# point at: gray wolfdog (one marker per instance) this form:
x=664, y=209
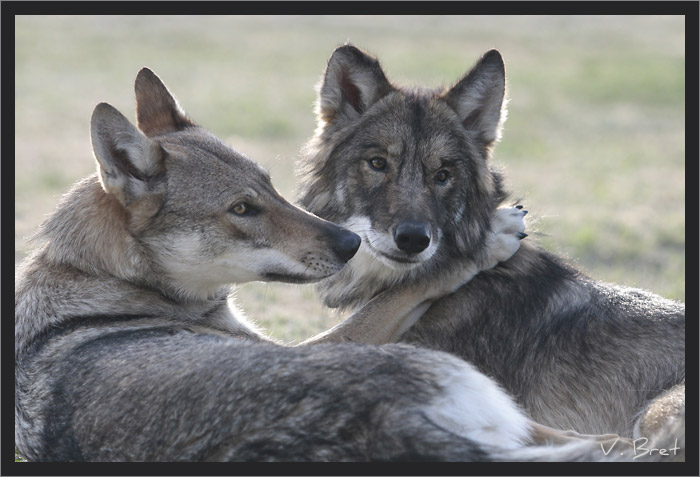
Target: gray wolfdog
x=127, y=349
x=408, y=170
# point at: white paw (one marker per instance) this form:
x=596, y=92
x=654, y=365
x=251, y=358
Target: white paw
x=509, y=220
x=504, y=246
x=508, y=225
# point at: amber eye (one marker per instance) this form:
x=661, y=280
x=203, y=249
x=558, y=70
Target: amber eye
x=442, y=176
x=378, y=163
x=240, y=208
x=244, y=209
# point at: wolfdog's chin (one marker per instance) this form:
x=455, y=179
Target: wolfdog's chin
x=395, y=263
x=380, y=265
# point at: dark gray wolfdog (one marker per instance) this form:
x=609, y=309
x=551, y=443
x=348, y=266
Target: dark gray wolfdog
x=126, y=348
x=409, y=171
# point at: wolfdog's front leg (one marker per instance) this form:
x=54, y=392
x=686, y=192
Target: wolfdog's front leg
x=379, y=320
x=390, y=313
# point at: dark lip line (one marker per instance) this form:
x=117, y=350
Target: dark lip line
x=393, y=258
x=293, y=278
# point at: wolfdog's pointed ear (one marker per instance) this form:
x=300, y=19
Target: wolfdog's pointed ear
x=130, y=165
x=478, y=98
x=352, y=82
x=157, y=111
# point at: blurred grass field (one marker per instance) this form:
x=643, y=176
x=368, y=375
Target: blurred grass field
x=593, y=145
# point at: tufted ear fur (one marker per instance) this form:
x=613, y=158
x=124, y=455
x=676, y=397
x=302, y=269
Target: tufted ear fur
x=479, y=98
x=157, y=111
x=352, y=82
x=129, y=164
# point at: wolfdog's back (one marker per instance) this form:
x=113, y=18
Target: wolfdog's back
x=575, y=352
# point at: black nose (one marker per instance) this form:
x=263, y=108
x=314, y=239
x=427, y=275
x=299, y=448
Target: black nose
x=345, y=244
x=412, y=237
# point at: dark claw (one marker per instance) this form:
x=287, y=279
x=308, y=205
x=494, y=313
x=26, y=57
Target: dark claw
x=518, y=206
x=521, y=235
x=524, y=213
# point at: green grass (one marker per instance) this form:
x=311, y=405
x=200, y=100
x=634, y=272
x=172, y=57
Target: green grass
x=594, y=143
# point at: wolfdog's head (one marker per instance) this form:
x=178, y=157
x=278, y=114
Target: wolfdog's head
x=404, y=168
x=203, y=214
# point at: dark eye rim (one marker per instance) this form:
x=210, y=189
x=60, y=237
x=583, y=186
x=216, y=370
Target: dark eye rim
x=381, y=168
x=446, y=175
